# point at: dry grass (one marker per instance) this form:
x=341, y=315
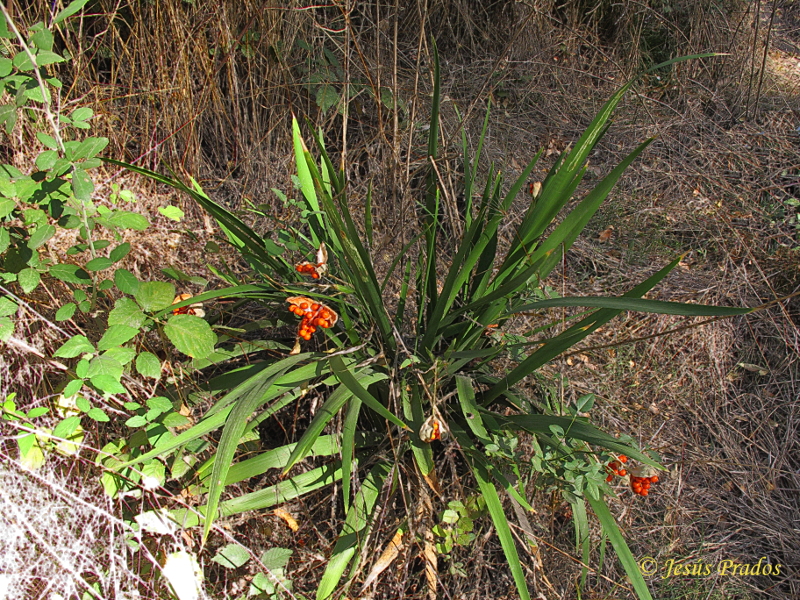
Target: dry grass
x=192, y=85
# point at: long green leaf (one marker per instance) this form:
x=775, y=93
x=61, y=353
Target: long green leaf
x=278, y=458
x=502, y=527
x=555, y=346
x=346, y=376
x=306, y=182
x=611, y=529
x=254, y=248
x=348, y=448
x=582, y=541
x=232, y=432
x=573, y=428
x=431, y=216
x=354, y=533
x=413, y=412
x=282, y=385
x=326, y=412
x=639, y=305
x=296, y=487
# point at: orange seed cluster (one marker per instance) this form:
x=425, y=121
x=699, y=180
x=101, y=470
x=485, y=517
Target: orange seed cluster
x=615, y=467
x=641, y=485
x=308, y=268
x=318, y=269
x=313, y=315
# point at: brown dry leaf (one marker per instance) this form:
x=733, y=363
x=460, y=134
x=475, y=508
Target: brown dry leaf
x=431, y=567
x=433, y=481
x=287, y=517
x=387, y=558
x=296, y=348
x=605, y=235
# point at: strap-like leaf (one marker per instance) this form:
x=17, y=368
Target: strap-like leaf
x=347, y=377
x=611, y=529
x=232, y=432
x=639, y=305
x=354, y=533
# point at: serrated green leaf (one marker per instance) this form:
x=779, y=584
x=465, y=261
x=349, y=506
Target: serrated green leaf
x=174, y=419
x=42, y=39
x=122, y=354
x=120, y=252
x=28, y=279
x=107, y=384
x=90, y=147
x=67, y=427
x=72, y=8
x=136, y=421
x=48, y=140
x=155, y=295
x=37, y=412
x=171, y=212
x=22, y=61
x=191, y=335
x=73, y=347
x=327, y=97
x=126, y=312
x=40, y=236
x=45, y=57
x=116, y=335
x=128, y=220
x=148, y=365
x=97, y=414
x=82, y=368
x=47, y=160
x=100, y=263
x=70, y=274
x=73, y=387
x=126, y=281
x=160, y=403
x=6, y=328
x=82, y=114
x=81, y=403
x=82, y=185
x=276, y=558
x=5, y=237
x=5, y=66
x=8, y=116
x=231, y=556
x=153, y=475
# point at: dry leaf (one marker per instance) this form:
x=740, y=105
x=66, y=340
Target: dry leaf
x=392, y=551
x=753, y=368
x=431, y=568
x=433, y=481
x=287, y=517
x=605, y=235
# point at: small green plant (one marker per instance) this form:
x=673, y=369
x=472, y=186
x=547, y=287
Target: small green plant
x=457, y=523
x=271, y=582
x=111, y=308
x=424, y=371
x=326, y=81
